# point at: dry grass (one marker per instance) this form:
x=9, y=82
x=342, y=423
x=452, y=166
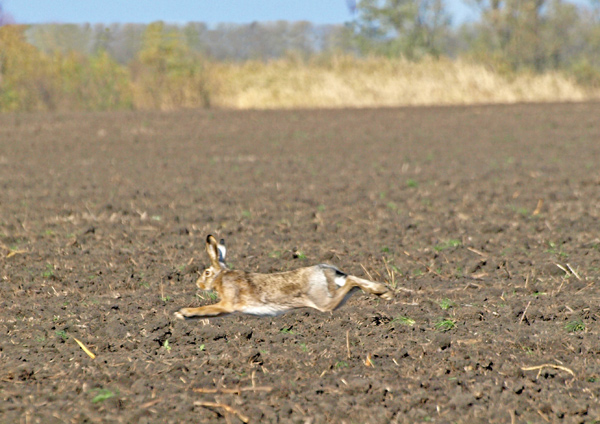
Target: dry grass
x=348, y=82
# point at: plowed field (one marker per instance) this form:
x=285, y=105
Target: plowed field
x=484, y=220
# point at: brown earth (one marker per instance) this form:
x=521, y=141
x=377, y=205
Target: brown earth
x=483, y=219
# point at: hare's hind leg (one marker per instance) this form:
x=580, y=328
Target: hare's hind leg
x=204, y=311
x=340, y=286
x=339, y=297
x=372, y=287
x=353, y=283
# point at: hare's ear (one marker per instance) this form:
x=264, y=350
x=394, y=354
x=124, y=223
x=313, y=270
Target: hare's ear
x=222, y=252
x=213, y=251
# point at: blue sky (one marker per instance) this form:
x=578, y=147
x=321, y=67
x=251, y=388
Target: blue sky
x=181, y=11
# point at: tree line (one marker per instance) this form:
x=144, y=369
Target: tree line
x=511, y=35
x=255, y=41
x=535, y=35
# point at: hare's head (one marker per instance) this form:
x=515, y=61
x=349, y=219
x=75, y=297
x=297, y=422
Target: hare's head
x=216, y=253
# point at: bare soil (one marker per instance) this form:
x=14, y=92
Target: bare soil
x=483, y=219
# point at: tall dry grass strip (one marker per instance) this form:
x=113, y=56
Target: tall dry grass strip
x=345, y=81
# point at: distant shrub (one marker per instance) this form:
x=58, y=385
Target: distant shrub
x=24, y=84
x=94, y=82
x=167, y=74
x=586, y=74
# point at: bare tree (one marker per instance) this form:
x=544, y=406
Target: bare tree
x=412, y=28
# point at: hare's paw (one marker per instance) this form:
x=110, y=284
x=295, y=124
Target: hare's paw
x=388, y=295
x=382, y=291
x=183, y=313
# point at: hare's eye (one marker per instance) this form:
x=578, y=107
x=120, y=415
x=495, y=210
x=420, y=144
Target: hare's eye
x=207, y=272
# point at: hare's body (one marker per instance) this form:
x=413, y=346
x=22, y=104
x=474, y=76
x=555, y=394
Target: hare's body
x=323, y=287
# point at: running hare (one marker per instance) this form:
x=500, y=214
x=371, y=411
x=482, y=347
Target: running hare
x=323, y=287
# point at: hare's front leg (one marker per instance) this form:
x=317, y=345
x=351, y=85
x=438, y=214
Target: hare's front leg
x=204, y=311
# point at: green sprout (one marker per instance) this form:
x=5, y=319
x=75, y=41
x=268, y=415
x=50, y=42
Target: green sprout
x=447, y=244
x=102, y=395
x=446, y=304
x=409, y=322
x=340, y=364
x=412, y=183
x=575, y=325
x=62, y=334
x=444, y=325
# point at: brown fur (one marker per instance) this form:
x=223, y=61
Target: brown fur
x=272, y=294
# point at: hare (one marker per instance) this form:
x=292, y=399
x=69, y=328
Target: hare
x=323, y=287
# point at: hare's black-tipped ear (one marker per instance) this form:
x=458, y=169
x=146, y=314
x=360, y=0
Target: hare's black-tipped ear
x=222, y=252
x=213, y=251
